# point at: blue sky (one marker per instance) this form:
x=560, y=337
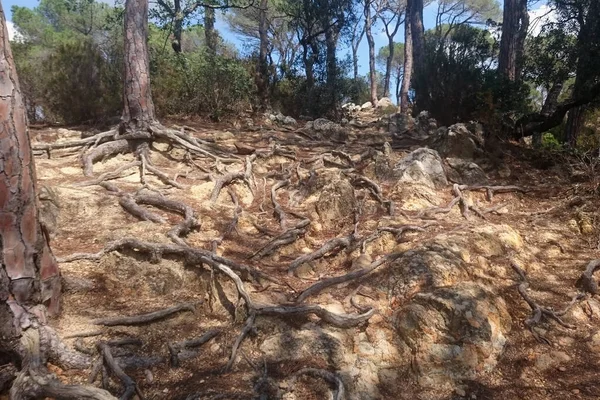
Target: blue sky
x=380, y=38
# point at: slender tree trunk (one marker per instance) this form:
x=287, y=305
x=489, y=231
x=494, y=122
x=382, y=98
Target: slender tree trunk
x=550, y=104
x=418, y=49
x=371, y=41
x=331, y=65
x=388, y=68
x=355, y=61
x=408, y=61
x=308, y=66
x=177, y=26
x=514, y=30
x=138, y=110
x=210, y=33
x=390, y=58
x=262, y=76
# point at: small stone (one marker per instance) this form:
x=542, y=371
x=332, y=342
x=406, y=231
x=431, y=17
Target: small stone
x=562, y=369
x=166, y=390
x=460, y=392
x=575, y=391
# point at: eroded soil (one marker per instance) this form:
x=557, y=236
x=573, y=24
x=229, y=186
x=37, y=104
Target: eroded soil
x=555, y=238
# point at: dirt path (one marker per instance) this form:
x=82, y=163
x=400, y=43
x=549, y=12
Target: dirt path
x=551, y=232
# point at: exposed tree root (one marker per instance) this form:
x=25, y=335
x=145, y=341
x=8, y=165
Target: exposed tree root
x=144, y=318
x=329, y=246
x=277, y=210
x=330, y=377
x=132, y=207
x=359, y=273
x=398, y=231
x=248, y=326
x=539, y=312
x=34, y=380
x=190, y=255
x=110, y=175
x=232, y=225
x=246, y=176
x=288, y=237
x=586, y=281
x=375, y=190
x=430, y=212
x=131, y=387
x=176, y=348
x=491, y=190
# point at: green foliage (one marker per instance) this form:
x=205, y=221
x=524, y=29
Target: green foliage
x=549, y=142
x=198, y=83
x=69, y=60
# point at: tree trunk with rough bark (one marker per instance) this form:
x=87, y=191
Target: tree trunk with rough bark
x=262, y=76
x=418, y=48
x=408, y=62
x=29, y=275
x=515, y=24
x=210, y=33
x=371, y=41
x=177, y=26
x=390, y=59
x=138, y=107
x=331, y=65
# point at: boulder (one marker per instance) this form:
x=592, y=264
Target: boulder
x=384, y=102
x=366, y=106
x=288, y=121
x=460, y=141
x=422, y=166
x=335, y=204
x=328, y=130
x=465, y=172
x=453, y=333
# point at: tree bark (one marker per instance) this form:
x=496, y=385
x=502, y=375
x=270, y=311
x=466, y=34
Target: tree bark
x=177, y=26
x=390, y=58
x=331, y=64
x=262, y=76
x=514, y=30
x=138, y=111
x=408, y=61
x=210, y=33
x=371, y=41
x=418, y=47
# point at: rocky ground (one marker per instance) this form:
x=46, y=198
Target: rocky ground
x=437, y=246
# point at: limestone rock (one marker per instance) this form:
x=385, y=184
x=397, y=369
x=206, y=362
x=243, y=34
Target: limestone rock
x=460, y=141
x=223, y=135
x=454, y=333
x=422, y=166
x=465, y=172
x=384, y=102
x=336, y=203
x=366, y=106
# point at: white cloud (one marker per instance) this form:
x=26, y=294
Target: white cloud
x=539, y=17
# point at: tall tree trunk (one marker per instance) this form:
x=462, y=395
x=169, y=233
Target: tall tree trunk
x=262, y=76
x=408, y=61
x=210, y=33
x=29, y=275
x=371, y=41
x=308, y=65
x=418, y=49
x=331, y=65
x=355, y=61
x=514, y=30
x=177, y=26
x=138, y=110
x=392, y=50
x=550, y=105
x=388, y=68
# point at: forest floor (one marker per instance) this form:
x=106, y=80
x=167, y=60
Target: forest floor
x=556, y=223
